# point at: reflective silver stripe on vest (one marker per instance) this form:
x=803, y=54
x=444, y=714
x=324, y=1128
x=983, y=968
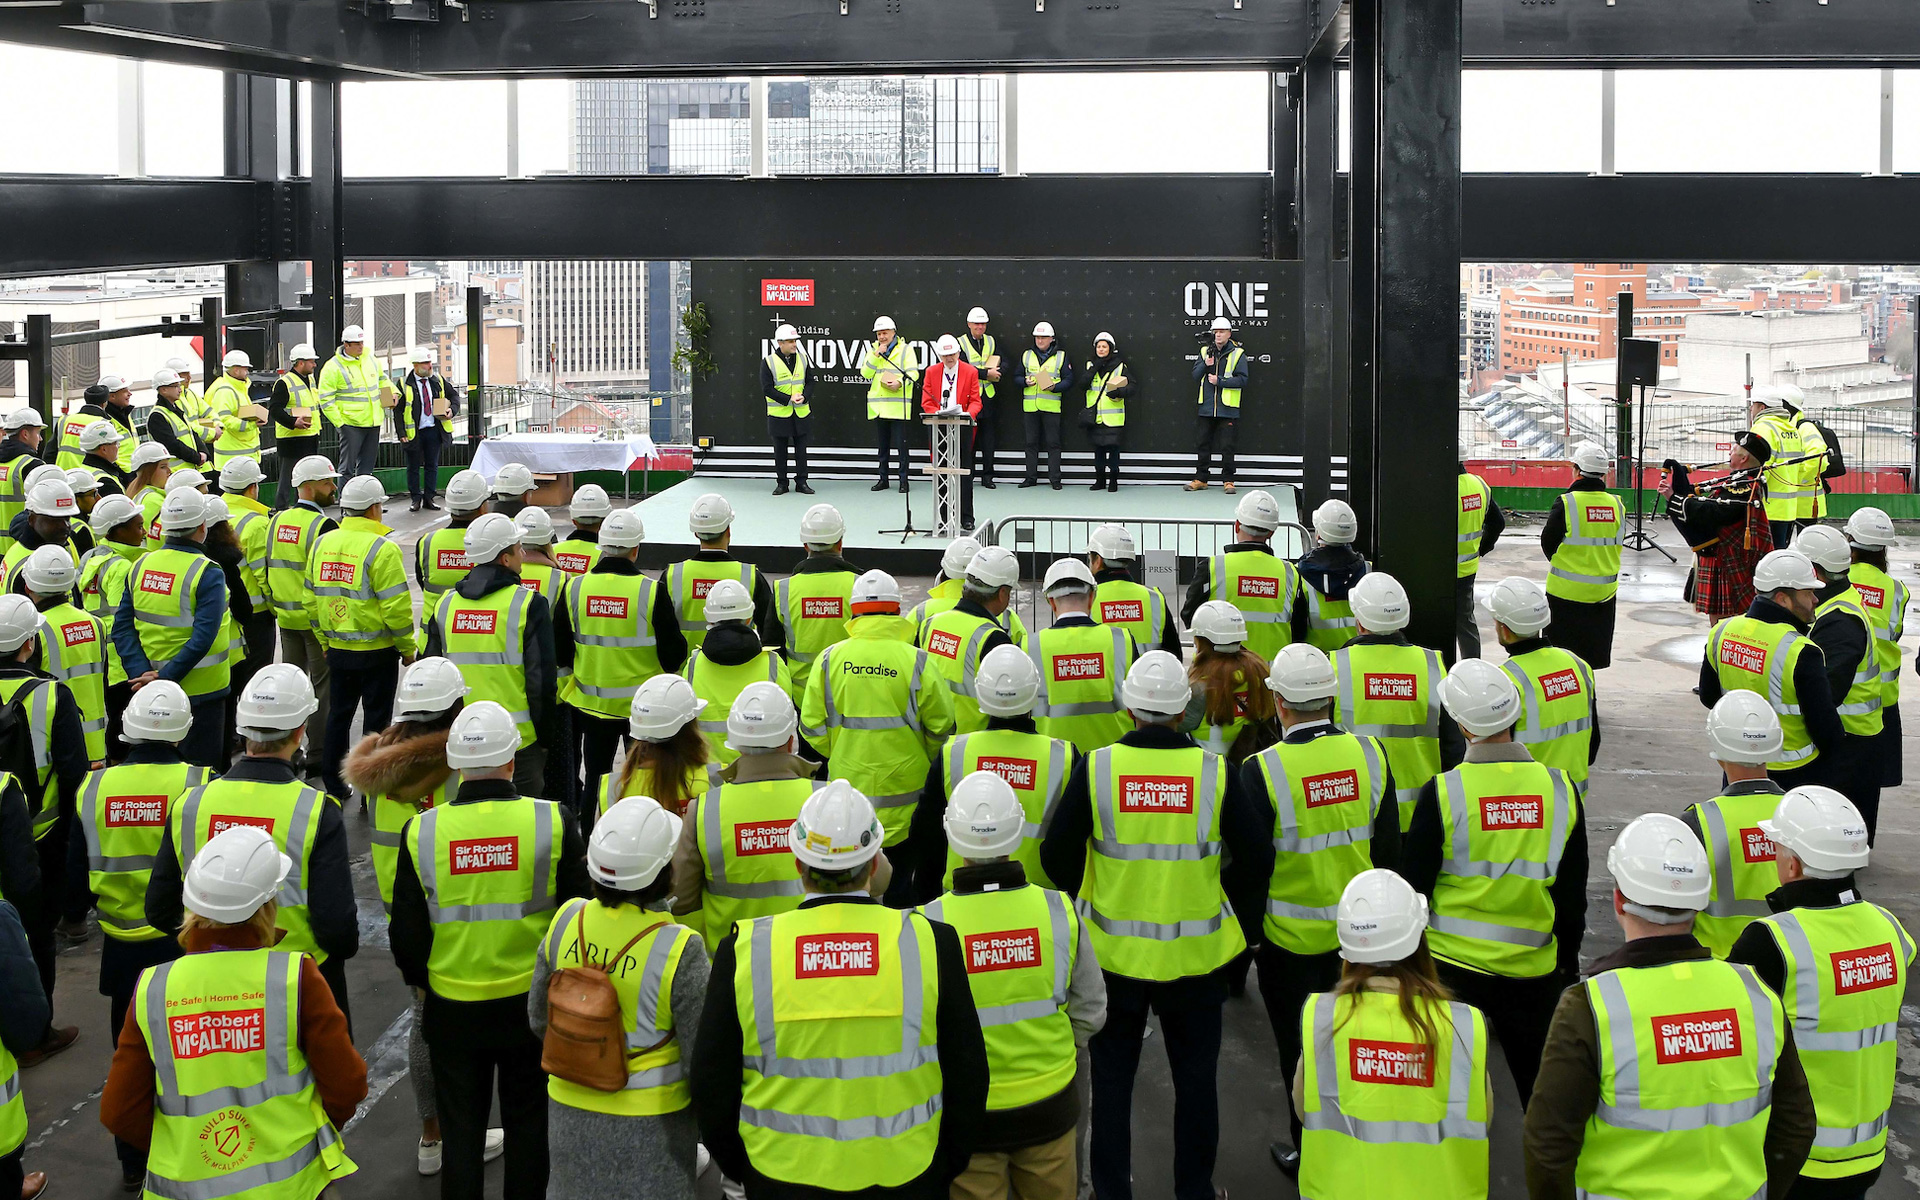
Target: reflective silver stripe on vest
x=1807, y=1034
x=1460, y=1081
x=1206, y=799
x=1839, y=1137
x=1721, y=901
x=909, y=718
x=1487, y=932
x=1157, y=931
x=1287, y=839
x=1060, y=951
x=184, y=619
x=365, y=589
x=1347, y=680
x=1116, y=671
x=445, y=914
x=39, y=703
x=90, y=829
x=1531, y=732
x=716, y=726
x=514, y=652
x=1316, y=617
x=1560, y=572
x=306, y=807
x=1216, y=587
x=280, y=1080
x=717, y=881
x=1459, y=859
x=260, y=1175
x=962, y=684
x=1626, y=1111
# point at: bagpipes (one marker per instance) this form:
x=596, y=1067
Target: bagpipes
x=1674, y=476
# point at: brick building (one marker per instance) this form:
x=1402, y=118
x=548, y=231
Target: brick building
x=1542, y=318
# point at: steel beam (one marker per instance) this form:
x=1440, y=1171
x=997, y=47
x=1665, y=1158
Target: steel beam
x=69, y=224
x=1323, y=323
x=326, y=224
x=1780, y=33
x=1363, y=258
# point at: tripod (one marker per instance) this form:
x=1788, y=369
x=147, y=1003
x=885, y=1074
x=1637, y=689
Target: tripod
x=906, y=531
x=1639, y=538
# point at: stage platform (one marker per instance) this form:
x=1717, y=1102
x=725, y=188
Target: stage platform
x=1037, y=520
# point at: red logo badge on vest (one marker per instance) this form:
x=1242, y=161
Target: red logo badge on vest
x=1156, y=794
x=1755, y=847
x=1115, y=612
x=702, y=586
x=1561, y=684
x=235, y=1031
x=450, y=560
x=222, y=822
x=1259, y=587
x=946, y=645
x=1695, y=1037
x=607, y=606
x=1473, y=503
x=1392, y=687
x=1003, y=951
x=1018, y=772
x=78, y=634
x=572, y=564
x=74, y=428
x=337, y=572
x=1404, y=1064
x=1512, y=812
x=1863, y=970
x=1872, y=597
x=157, y=583
x=1076, y=668
x=289, y=534
x=825, y=608
x=827, y=955
x=761, y=837
x=1334, y=787
x=1742, y=656
x=474, y=620
x=1601, y=514
x=795, y=292
x=129, y=811
x=474, y=856
x=153, y=530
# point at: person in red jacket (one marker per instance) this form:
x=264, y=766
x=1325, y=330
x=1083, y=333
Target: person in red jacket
x=950, y=384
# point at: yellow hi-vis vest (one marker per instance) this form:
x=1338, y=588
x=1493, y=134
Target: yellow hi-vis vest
x=1761, y=657
x=39, y=698
x=1032, y=398
x=1860, y=709
x=104, y=571
x=1330, y=623
x=1558, y=705
x=13, y=491
x=1134, y=607
x=1506, y=826
x=250, y=522
x=748, y=865
x=354, y=575
x=814, y=608
x=350, y=389
x=289, y=541
x=69, y=455
x=1384, y=1114
x=491, y=873
x=840, y=1073
x=866, y=714
x=123, y=815
x=486, y=639
x=1739, y=862
x=615, y=650
x=441, y=560
x=789, y=382
x=883, y=402
x=979, y=361
x=1387, y=692
x=543, y=579
x=1020, y=945
x=181, y=425
x=1264, y=589
x=1152, y=893
x=1586, y=567
x=13, y=1104
x=721, y=685
x=1688, y=1054
x=1783, y=489
x=164, y=584
x=1475, y=498
x=700, y=780
x=151, y=498
x=239, y=437
x=403, y=421
x=1326, y=793
x=1034, y=765
x=953, y=642
x=1885, y=600
x=1846, y=971
x=1229, y=397
x=1109, y=411
x=390, y=817
x=643, y=981
x=689, y=581
x=288, y=812
x=1080, y=668
x=300, y=394
x=235, y=1109
x=1220, y=738
x=945, y=595
x=1812, y=495
x=576, y=555
x=73, y=648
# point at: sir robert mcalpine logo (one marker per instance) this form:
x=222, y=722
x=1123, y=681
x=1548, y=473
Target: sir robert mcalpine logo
x=219, y=823
x=830, y=955
x=1003, y=951
x=1864, y=970
x=287, y=533
x=136, y=811
x=1872, y=597
x=80, y=633
x=702, y=586
x=234, y=1031
x=337, y=572
x=1156, y=794
x=1078, y=668
x=572, y=564
x=1695, y=1037
x=1018, y=772
x=450, y=560
x=1561, y=684
x=1392, y=687
x=1742, y=656
x=795, y=292
x=1334, y=787
x=474, y=620
x=476, y=856
x=157, y=583
x=946, y=645
x=1258, y=587
x=1601, y=514
x=824, y=608
x=1114, y=612
x=1512, y=812
x=1755, y=846
x=614, y=607
x=1472, y=503
x=761, y=837
x=1405, y=1064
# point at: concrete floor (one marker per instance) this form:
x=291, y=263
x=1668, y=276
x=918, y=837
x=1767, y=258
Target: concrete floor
x=1652, y=760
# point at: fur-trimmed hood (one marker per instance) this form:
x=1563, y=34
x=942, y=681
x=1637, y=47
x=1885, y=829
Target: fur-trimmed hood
x=401, y=764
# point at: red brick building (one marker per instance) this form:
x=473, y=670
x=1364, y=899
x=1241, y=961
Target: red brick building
x=1542, y=318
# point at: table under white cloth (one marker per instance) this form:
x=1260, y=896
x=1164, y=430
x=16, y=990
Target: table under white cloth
x=558, y=453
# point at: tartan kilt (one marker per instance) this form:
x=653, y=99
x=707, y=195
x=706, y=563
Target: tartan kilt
x=1722, y=581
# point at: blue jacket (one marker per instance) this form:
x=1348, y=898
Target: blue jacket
x=209, y=610
x=24, y=1011
x=1210, y=405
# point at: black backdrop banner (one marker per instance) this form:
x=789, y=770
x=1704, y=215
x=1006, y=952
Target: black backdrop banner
x=1156, y=310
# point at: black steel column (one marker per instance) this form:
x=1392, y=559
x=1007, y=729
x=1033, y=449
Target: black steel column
x=1363, y=227
x=476, y=367
x=1416, y=380
x=1316, y=125
x=1622, y=393
x=40, y=366
x=1913, y=332
x=1282, y=196
x=260, y=135
x=327, y=233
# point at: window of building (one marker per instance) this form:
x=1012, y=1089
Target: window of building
x=442, y=127
x=181, y=111
x=79, y=135
x=1747, y=120
x=1530, y=121
x=1114, y=122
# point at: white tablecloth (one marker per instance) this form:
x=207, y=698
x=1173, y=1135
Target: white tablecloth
x=555, y=453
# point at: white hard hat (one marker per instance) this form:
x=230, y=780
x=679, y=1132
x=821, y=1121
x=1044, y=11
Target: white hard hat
x=1043, y=329
x=483, y=735
x=729, y=600
x=1113, y=543
x=535, y=526
x=19, y=620
x=1658, y=861
x=1520, y=604
x=100, y=433
x=488, y=538
x=181, y=365
x=466, y=491
x=1156, y=684
x=710, y=514
x=216, y=509
x=822, y=525
x=1821, y=827
x=183, y=511
x=362, y=492
x=278, y=698
x=158, y=712
x=303, y=352
x=786, y=333
x=631, y=844
x=662, y=707
x=24, y=418
x=149, y=452
x=875, y=591
x=1223, y=323
x=428, y=688
x=880, y=323
x=1302, y=675
x=48, y=570
x=1335, y=524
x=166, y=377
x=1221, y=624
x=313, y=467
x=186, y=479
x=82, y=480
x=1258, y=510
x=1007, y=683
x=590, y=502
x=948, y=344
x=1825, y=546
x=1779, y=569
x=978, y=314
x=1743, y=728
x=514, y=479
x=420, y=354
x=240, y=473
x=1380, y=603
x=959, y=552
x=622, y=530
x=236, y=358
x=352, y=333
x=1066, y=575
x=113, y=383
x=1589, y=459
x=762, y=717
x=236, y=871
x=836, y=829
x=111, y=513
x=1481, y=697
x=984, y=818
x=1871, y=528
x=994, y=567
x=1106, y=337
x=1380, y=918
x=52, y=497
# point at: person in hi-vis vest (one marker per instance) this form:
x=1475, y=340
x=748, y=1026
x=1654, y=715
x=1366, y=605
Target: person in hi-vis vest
x=1560, y=710
x=1119, y=599
x=1324, y=616
x=294, y=412
x=424, y=431
x=1581, y=541
x=783, y=382
x=1045, y=373
x=1742, y=735
x=1843, y=628
x=354, y=389
x=1221, y=371
x=1478, y=525
x=1667, y=1073
x=1870, y=532
x=891, y=371
x=979, y=349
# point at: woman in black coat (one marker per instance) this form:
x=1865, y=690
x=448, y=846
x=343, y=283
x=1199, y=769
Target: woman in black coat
x=1108, y=384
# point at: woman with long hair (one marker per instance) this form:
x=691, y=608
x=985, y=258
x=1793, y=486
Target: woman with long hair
x=1231, y=712
x=1392, y=1087
x=152, y=468
x=670, y=760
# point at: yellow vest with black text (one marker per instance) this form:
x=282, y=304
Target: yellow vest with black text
x=720, y=684
x=73, y=648
x=614, y=646
x=1558, y=704
x=814, y=608
x=123, y=815
x=1505, y=827
x=490, y=870
x=689, y=581
x=1080, y=668
x=486, y=639
x=748, y=864
x=883, y=402
x=164, y=583
x=953, y=641
x=1783, y=488
x=1264, y=589
x=300, y=394
x=1586, y=567
x=104, y=571
x=1032, y=399
x=1860, y=709
x=1475, y=499
x=1134, y=607
x=1761, y=657
x=1739, y=862
x=225, y=398
x=1387, y=692
x=789, y=382
x=865, y=712
x=287, y=812
x=390, y=816
x=1034, y=765
x=289, y=541
x=1885, y=600
x=643, y=982
x=1326, y=793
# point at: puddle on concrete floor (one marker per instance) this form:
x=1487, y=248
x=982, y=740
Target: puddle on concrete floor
x=1684, y=651
x=1665, y=616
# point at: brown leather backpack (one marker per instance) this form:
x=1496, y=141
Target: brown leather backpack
x=586, y=1041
